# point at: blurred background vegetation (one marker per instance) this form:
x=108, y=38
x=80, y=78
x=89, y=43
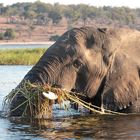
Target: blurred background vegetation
x=68, y=16
x=39, y=11
x=21, y=56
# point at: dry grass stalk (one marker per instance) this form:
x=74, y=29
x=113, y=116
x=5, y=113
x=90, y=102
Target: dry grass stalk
x=36, y=105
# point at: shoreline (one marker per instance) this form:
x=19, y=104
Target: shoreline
x=26, y=43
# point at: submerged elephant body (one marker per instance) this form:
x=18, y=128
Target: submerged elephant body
x=102, y=64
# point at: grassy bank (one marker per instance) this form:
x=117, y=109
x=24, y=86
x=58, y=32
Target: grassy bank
x=20, y=56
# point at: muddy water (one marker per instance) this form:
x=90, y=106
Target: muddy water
x=64, y=125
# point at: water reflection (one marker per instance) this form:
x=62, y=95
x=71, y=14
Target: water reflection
x=86, y=127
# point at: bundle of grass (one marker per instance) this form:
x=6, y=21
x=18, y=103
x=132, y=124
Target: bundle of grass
x=35, y=103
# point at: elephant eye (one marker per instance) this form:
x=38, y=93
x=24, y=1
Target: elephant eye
x=77, y=64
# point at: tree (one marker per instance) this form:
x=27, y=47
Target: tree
x=9, y=34
x=1, y=36
x=30, y=14
x=55, y=16
x=11, y=11
x=84, y=12
x=54, y=38
x=40, y=7
x=1, y=8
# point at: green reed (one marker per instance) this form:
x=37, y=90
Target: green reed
x=20, y=56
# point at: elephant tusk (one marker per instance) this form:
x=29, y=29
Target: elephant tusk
x=50, y=95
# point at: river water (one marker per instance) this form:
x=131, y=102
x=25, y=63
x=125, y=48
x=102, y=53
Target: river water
x=62, y=125
x=24, y=46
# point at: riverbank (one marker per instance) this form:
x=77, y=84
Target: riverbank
x=20, y=56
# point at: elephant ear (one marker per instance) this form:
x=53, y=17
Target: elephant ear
x=122, y=87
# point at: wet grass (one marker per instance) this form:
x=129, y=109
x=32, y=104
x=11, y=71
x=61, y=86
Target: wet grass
x=20, y=56
x=35, y=105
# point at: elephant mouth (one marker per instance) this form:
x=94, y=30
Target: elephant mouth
x=38, y=101
x=33, y=100
x=73, y=105
x=82, y=97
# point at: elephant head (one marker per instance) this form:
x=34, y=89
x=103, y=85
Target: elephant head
x=89, y=60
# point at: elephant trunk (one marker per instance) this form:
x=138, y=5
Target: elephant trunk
x=44, y=72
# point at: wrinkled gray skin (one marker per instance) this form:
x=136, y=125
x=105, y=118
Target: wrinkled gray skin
x=96, y=62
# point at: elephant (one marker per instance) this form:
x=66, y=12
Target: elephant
x=101, y=63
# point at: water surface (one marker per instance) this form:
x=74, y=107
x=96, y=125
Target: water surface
x=24, y=46
x=62, y=126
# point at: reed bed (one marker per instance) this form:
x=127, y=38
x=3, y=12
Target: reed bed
x=20, y=56
x=35, y=105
